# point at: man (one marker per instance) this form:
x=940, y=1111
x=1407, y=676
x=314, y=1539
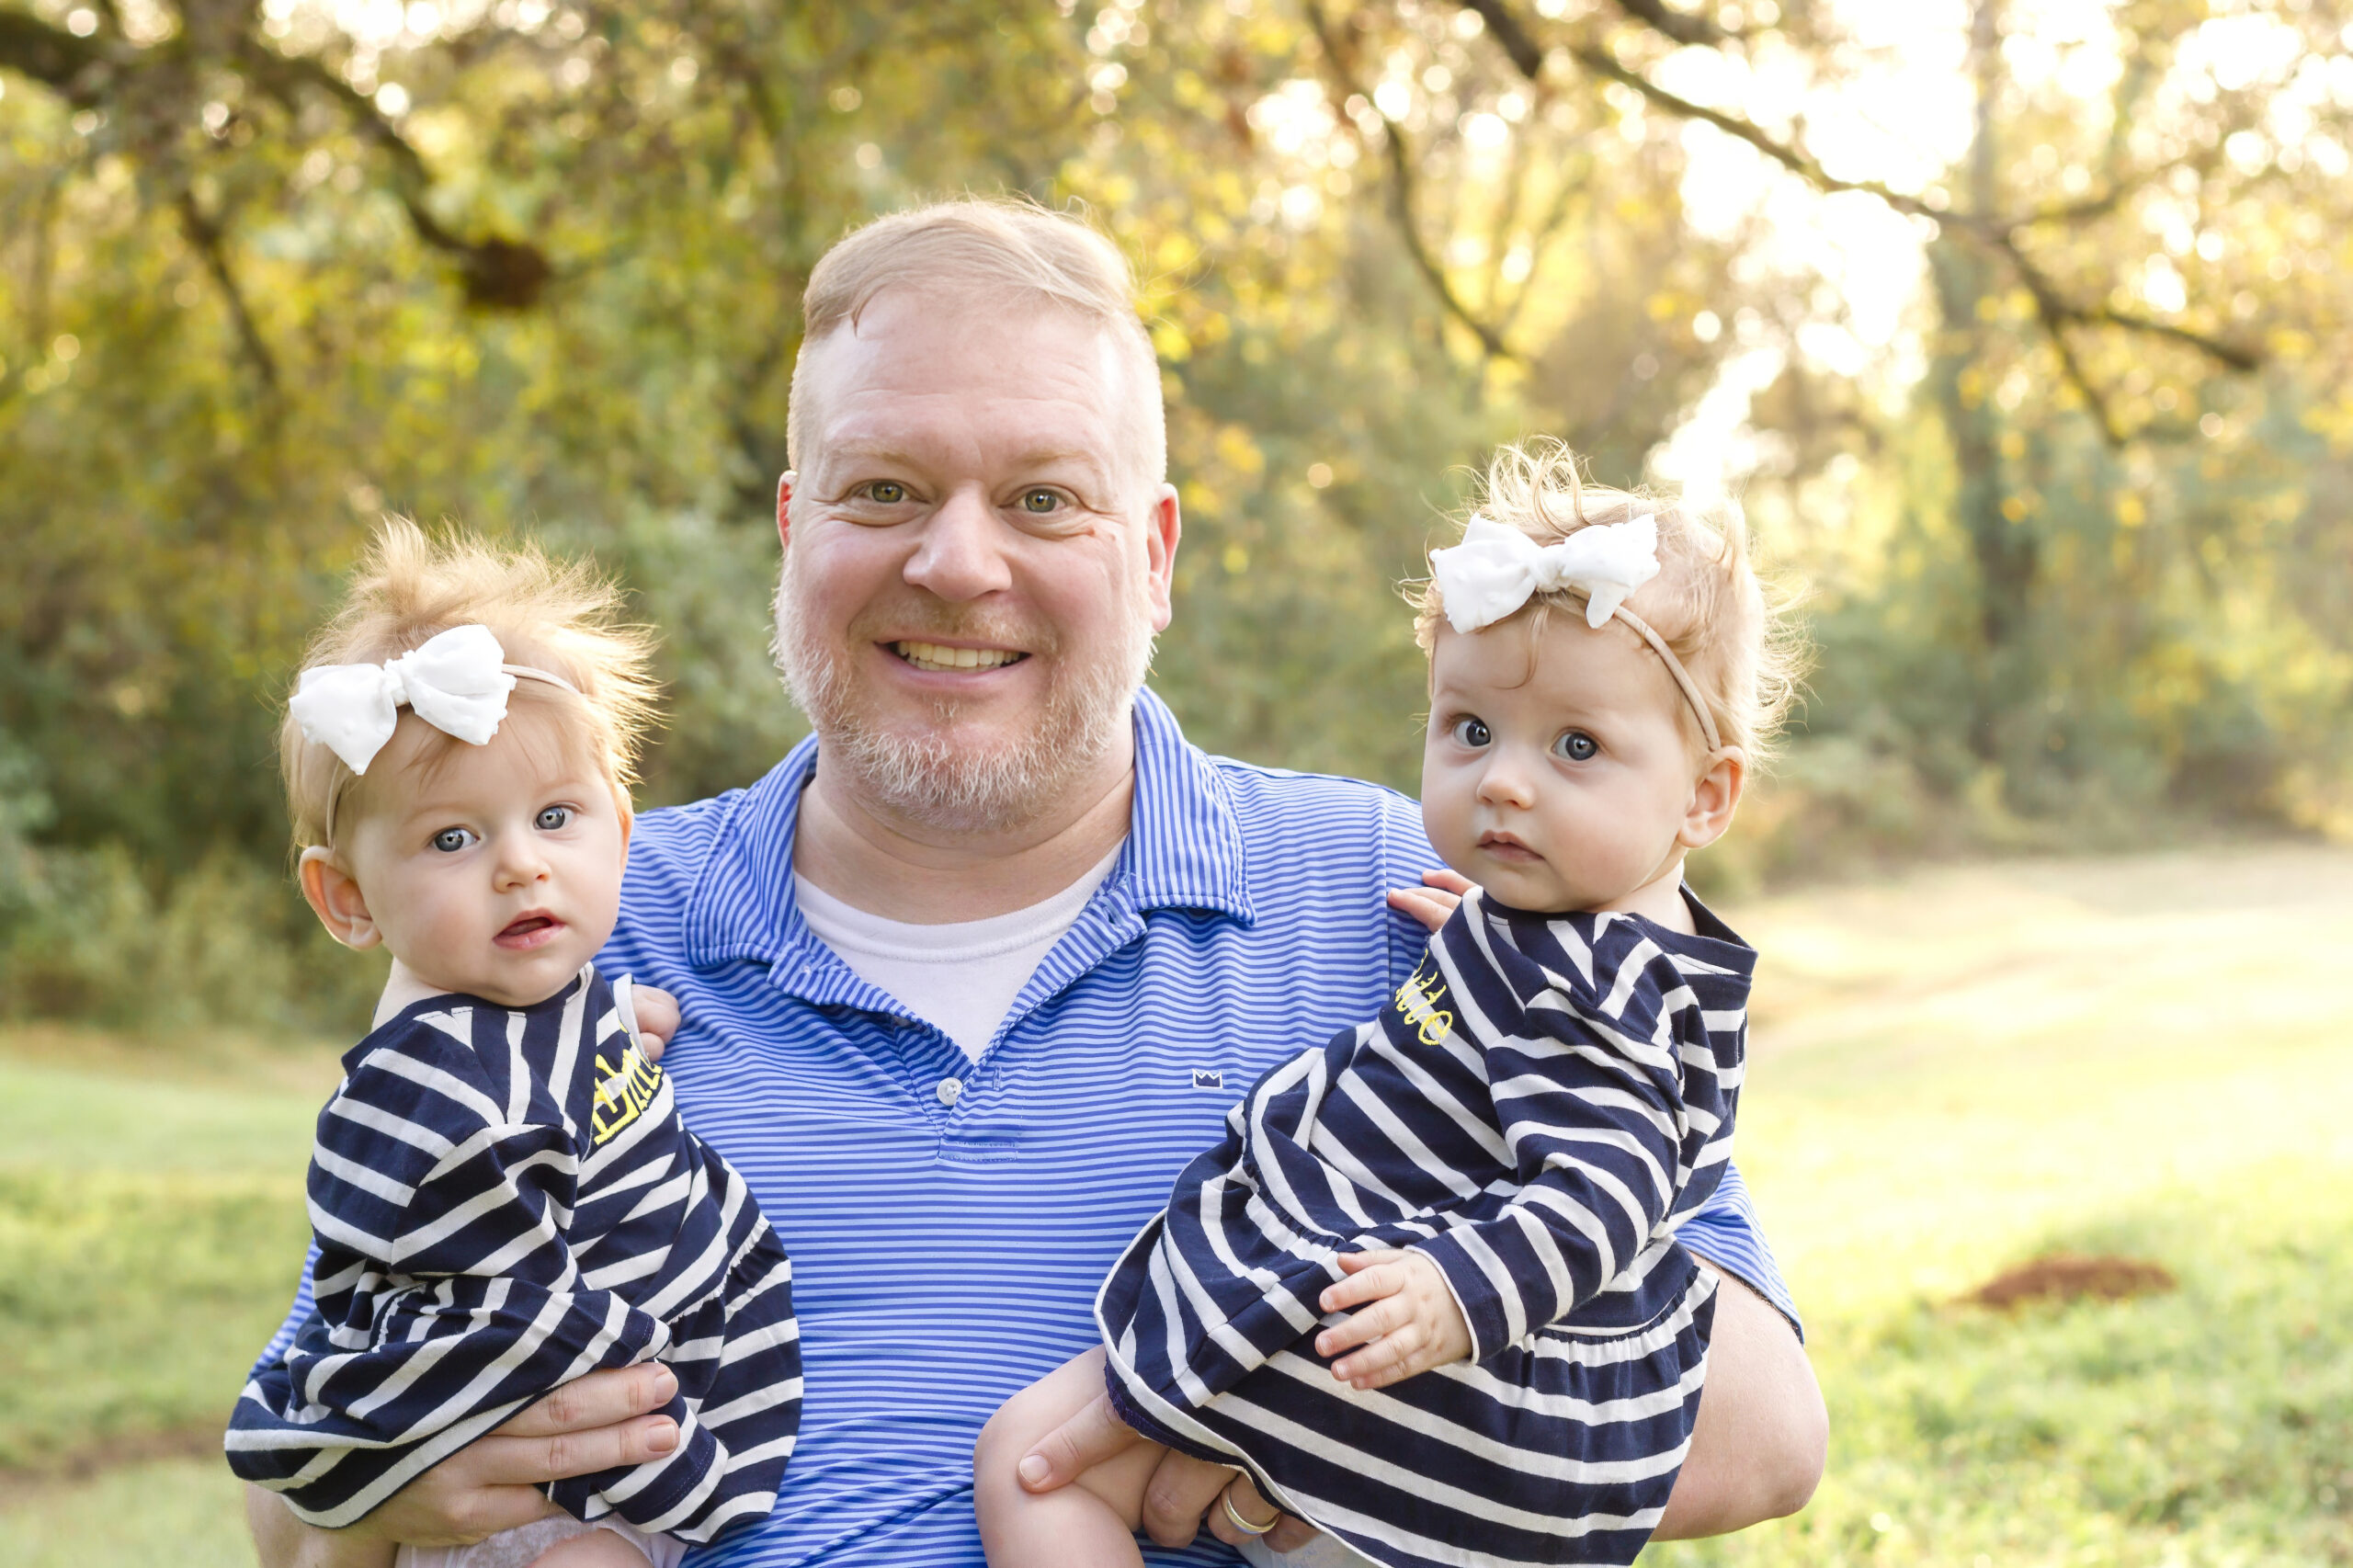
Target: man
x=971, y=974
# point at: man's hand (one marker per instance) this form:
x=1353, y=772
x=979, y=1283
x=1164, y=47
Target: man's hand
x=1432, y=903
x=596, y=1422
x=1411, y=1324
x=1184, y=1492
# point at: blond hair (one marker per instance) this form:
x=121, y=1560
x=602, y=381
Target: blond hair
x=997, y=253
x=1708, y=603
x=558, y=616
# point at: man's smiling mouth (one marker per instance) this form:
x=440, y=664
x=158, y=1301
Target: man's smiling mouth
x=936, y=656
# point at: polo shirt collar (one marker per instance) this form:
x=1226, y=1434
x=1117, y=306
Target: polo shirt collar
x=1184, y=851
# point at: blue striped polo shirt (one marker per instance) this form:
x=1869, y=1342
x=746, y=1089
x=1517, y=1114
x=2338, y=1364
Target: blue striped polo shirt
x=949, y=1221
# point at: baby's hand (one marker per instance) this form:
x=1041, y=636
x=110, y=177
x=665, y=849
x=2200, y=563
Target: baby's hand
x=1412, y=1326
x=657, y=1018
x=1432, y=903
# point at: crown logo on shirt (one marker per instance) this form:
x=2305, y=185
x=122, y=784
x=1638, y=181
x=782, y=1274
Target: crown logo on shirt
x=622, y=1092
x=1209, y=1077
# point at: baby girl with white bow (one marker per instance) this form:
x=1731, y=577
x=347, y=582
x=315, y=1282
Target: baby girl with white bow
x=1427, y=1295
x=503, y=1195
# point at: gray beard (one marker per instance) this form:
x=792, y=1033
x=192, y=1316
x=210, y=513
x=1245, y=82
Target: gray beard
x=934, y=775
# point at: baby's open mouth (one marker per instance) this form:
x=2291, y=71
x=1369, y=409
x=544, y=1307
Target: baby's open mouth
x=938, y=657
x=526, y=930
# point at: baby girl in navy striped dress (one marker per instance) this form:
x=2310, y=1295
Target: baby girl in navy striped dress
x=503, y=1194
x=1427, y=1295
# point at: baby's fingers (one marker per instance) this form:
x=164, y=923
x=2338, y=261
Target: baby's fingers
x=1370, y=1280
x=1431, y=910
x=1362, y=1328
x=1386, y=1361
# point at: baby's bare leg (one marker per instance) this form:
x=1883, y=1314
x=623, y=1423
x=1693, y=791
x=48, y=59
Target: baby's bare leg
x=1090, y=1523
x=597, y=1548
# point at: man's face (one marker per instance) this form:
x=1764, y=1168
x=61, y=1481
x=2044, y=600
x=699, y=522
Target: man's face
x=974, y=566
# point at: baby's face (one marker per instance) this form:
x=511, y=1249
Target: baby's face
x=497, y=873
x=1558, y=774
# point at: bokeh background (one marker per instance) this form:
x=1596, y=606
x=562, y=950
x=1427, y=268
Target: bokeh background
x=2018, y=327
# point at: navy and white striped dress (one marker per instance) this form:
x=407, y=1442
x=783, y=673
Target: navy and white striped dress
x=505, y=1199
x=1537, y=1109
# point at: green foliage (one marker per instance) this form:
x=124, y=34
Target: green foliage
x=534, y=269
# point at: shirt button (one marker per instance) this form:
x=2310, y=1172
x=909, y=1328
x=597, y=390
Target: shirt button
x=950, y=1090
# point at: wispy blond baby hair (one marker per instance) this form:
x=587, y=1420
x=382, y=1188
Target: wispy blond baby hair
x=1732, y=632
x=561, y=616
x=990, y=252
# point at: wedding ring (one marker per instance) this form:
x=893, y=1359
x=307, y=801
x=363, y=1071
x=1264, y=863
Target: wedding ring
x=1245, y=1526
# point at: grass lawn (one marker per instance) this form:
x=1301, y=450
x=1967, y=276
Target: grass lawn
x=1953, y=1072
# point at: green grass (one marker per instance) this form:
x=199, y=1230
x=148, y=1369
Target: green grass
x=174, y=1514
x=150, y=1228
x=1953, y=1072
x=1961, y=1071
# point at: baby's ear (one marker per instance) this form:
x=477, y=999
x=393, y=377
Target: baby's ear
x=1715, y=796
x=336, y=900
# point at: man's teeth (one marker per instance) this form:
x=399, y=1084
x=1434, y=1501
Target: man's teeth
x=932, y=656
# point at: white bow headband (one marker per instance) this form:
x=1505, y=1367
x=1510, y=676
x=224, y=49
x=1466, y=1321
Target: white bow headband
x=1495, y=570
x=457, y=682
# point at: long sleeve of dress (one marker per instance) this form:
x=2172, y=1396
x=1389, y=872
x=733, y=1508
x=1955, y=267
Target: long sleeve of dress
x=1589, y=1095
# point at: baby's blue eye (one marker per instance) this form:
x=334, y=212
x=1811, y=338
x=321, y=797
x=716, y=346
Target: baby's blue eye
x=449, y=840
x=554, y=817
x=1469, y=730
x=1577, y=746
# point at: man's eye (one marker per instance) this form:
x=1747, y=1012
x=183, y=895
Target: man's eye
x=1041, y=501
x=889, y=492
x=449, y=840
x=1577, y=746
x=1470, y=732
x=553, y=818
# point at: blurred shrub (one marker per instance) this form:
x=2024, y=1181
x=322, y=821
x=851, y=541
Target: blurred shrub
x=84, y=935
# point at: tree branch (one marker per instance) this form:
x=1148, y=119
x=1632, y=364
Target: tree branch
x=95, y=71
x=1997, y=233
x=205, y=235
x=495, y=272
x=1400, y=195
x=79, y=68
x=1680, y=26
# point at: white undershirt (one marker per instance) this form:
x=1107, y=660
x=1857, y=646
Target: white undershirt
x=963, y=977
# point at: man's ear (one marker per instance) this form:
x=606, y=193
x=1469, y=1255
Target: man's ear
x=1164, y=527
x=784, y=507
x=336, y=900
x=1714, y=797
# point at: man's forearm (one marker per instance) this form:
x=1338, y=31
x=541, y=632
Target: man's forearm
x=1757, y=1450
x=281, y=1540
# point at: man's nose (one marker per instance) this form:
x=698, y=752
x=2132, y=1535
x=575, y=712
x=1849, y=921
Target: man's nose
x=961, y=555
